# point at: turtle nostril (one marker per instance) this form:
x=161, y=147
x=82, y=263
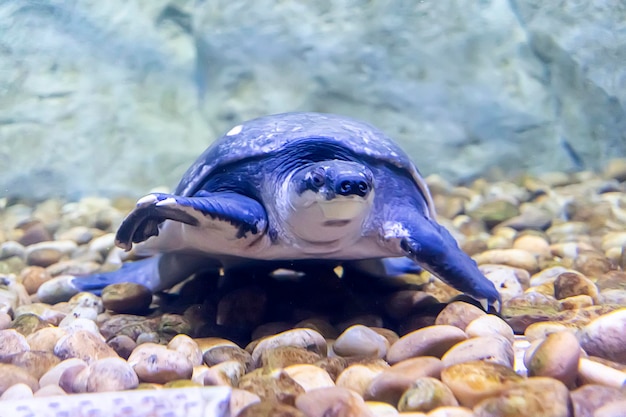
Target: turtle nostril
x=345, y=186
x=363, y=187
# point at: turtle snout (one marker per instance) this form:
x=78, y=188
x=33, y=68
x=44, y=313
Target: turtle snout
x=353, y=186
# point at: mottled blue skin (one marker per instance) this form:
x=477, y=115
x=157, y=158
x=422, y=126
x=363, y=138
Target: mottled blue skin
x=226, y=184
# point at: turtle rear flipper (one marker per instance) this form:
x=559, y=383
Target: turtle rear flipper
x=204, y=209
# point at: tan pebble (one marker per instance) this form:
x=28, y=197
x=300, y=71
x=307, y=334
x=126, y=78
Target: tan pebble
x=103, y=244
x=332, y=402
x=12, y=342
x=11, y=375
x=225, y=373
x=360, y=341
x=569, y=284
x=606, y=336
x=612, y=409
x=509, y=281
x=11, y=249
x=53, y=375
x=158, y=364
x=88, y=300
x=487, y=348
x=111, y=374
x=613, y=279
x=44, y=311
x=613, y=240
x=45, y=339
x=122, y=345
x=389, y=385
x=187, y=346
x=588, y=398
x=222, y=353
x=276, y=386
x=594, y=372
x=29, y=323
x=542, y=329
x=576, y=302
x=472, y=382
x=426, y=394
x=126, y=298
x=380, y=409
x=334, y=366
x=592, y=263
x=321, y=326
x=305, y=338
x=84, y=345
x=429, y=341
x=36, y=363
x=449, y=412
x=80, y=324
x=43, y=256
x=56, y=290
x=358, y=377
x=617, y=297
x=499, y=242
x=458, y=314
x=74, y=379
x=615, y=168
x=5, y=320
x=569, y=249
x=537, y=245
x=490, y=325
x=49, y=391
x=32, y=277
x=557, y=357
x=529, y=352
x=270, y=409
x=309, y=376
x=547, y=275
x=284, y=356
x=391, y=336
x=512, y=257
x=531, y=397
x=240, y=399
x=75, y=267
x=148, y=337
x=198, y=374
x=19, y=391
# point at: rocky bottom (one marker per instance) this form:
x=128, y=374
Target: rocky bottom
x=329, y=342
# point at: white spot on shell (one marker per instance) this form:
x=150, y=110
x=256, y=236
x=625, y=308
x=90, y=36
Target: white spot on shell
x=167, y=202
x=235, y=130
x=149, y=199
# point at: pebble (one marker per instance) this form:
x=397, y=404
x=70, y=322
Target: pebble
x=126, y=298
x=285, y=356
x=304, y=338
x=122, y=345
x=360, y=341
x=47, y=253
x=429, y=341
x=490, y=325
x=111, y=374
x=188, y=347
x=557, y=357
x=35, y=363
x=509, y=281
x=570, y=284
x=270, y=409
x=277, y=386
x=488, y=348
x=332, y=402
x=11, y=375
x=33, y=277
x=589, y=398
x=458, y=314
x=606, y=336
x=49, y=391
x=426, y=394
x=595, y=372
x=12, y=342
x=612, y=409
x=218, y=354
x=516, y=258
x=358, y=377
x=472, y=382
x=18, y=391
x=53, y=375
x=309, y=377
x=389, y=385
x=224, y=373
x=84, y=345
x=157, y=364
x=240, y=399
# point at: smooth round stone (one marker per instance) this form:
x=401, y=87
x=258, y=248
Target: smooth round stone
x=56, y=290
x=45, y=312
x=576, y=302
x=122, y=345
x=617, y=297
x=589, y=398
x=19, y=391
x=12, y=342
x=44, y=256
x=102, y=244
x=5, y=320
x=391, y=336
x=111, y=374
x=569, y=284
x=334, y=366
x=86, y=300
x=594, y=372
x=592, y=263
x=541, y=330
x=428, y=341
x=188, y=347
x=28, y=323
x=358, y=377
x=489, y=348
x=606, y=336
x=75, y=267
x=557, y=357
x=224, y=353
x=74, y=379
x=321, y=326
x=447, y=412
x=332, y=401
x=32, y=277
x=537, y=245
x=84, y=345
x=158, y=364
x=11, y=375
x=270, y=409
x=75, y=324
x=380, y=409
x=612, y=409
x=35, y=363
x=285, y=356
x=369, y=320
x=277, y=386
x=490, y=325
x=494, y=212
x=309, y=377
x=509, y=281
x=389, y=385
x=512, y=257
x=240, y=399
x=569, y=250
x=472, y=382
x=303, y=338
x=126, y=298
x=538, y=397
x=426, y=394
x=12, y=248
x=53, y=376
x=360, y=341
x=458, y=314
x=547, y=275
x=225, y=373
x=49, y=391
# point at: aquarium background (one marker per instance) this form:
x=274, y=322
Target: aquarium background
x=117, y=97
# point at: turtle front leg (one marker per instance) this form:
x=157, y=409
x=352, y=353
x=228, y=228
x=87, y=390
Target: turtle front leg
x=431, y=246
x=204, y=209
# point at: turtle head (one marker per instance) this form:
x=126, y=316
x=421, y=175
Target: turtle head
x=328, y=199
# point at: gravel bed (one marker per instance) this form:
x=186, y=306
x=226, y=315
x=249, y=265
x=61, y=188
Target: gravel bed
x=329, y=343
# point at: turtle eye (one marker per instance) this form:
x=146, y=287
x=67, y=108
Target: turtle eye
x=318, y=178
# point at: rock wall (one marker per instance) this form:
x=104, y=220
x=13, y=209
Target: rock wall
x=117, y=97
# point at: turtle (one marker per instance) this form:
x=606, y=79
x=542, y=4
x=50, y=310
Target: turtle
x=292, y=187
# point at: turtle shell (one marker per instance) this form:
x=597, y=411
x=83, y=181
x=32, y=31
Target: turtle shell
x=267, y=135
